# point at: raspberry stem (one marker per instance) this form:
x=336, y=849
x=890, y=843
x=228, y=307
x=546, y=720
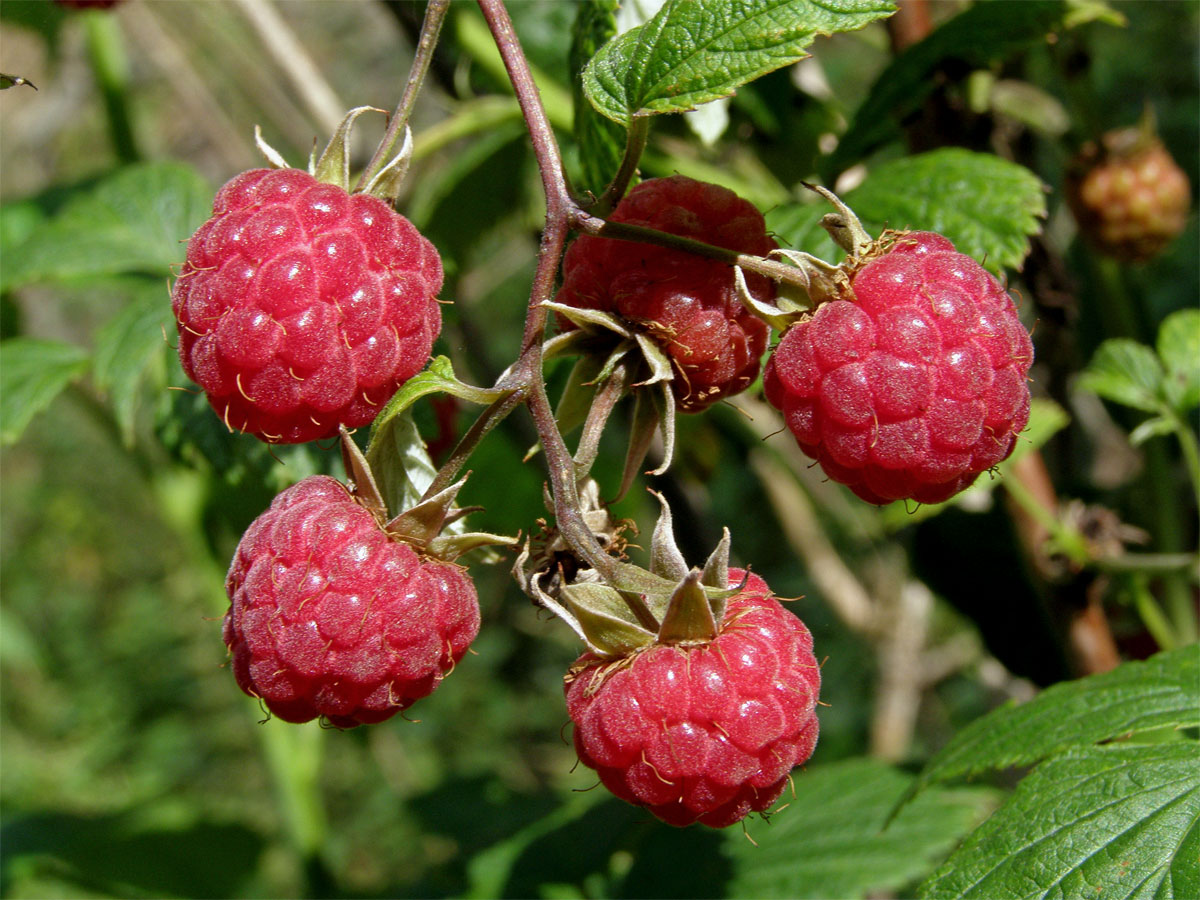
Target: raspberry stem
x=635, y=143
x=435, y=14
x=591, y=224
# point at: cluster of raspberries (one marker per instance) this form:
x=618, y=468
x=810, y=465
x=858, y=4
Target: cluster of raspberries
x=301, y=308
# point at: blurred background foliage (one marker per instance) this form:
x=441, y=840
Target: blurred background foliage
x=133, y=767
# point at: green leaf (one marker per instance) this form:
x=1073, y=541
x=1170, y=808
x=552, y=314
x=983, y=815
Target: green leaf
x=601, y=141
x=986, y=205
x=694, y=51
x=982, y=35
x=396, y=451
x=135, y=220
x=1155, y=427
x=32, y=373
x=1161, y=692
x=437, y=378
x=128, y=346
x=1126, y=372
x=831, y=840
x=1179, y=349
x=1115, y=821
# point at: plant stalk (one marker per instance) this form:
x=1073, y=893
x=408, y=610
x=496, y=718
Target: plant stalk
x=435, y=15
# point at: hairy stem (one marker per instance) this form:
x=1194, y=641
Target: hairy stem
x=488, y=419
x=527, y=372
x=623, y=231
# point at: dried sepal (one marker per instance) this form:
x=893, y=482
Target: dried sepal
x=273, y=157
x=666, y=559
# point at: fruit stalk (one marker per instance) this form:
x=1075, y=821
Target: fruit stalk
x=435, y=15
x=526, y=375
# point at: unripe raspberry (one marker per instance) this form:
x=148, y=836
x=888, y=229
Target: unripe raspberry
x=1130, y=198
x=915, y=386
x=703, y=733
x=687, y=303
x=331, y=617
x=301, y=307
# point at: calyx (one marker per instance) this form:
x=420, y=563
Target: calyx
x=333, y=165
x=420, y=526
x=634, y=608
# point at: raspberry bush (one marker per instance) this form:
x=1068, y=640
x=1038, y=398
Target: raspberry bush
x=354, y=535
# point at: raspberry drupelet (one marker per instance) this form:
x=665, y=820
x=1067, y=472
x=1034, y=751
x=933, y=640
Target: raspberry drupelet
x=301, y=307
x=914, y=386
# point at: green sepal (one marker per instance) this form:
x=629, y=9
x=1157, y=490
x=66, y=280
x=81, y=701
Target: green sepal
x=420, y=524
x=716, y=568
x=450, y=547
x=660, y=364
x=362, y=481
x=576, y=397
x=608, y=623
x=690, y=618
x=641, y=436
x=387, y=182
x=333, y=167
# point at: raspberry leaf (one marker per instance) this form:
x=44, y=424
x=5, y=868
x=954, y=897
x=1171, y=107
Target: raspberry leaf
x=1136, y=697
x=1113, y=821
x=1126, y=372
x=983, y=34
x=128, y=346
x=438, y=378
x=694, y=51
x=32, y=373
x=1179, y=348
x=986, y=205
x=131, y=221
x=601, y=142
x=819, y=848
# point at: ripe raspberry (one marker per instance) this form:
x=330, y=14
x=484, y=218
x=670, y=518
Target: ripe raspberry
x=1130, y=198
x=301, y=307
x=329, y=617
x=688, y=304
x=914, y=387
x=704, y=733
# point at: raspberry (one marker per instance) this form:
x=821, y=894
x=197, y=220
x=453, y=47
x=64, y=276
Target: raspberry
x=1130, y=198
x=915, y=386
x=329, y=617
x=703, y=733
x=301, y=307
x=687, y=303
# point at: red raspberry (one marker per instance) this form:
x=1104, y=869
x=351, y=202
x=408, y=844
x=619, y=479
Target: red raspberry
x=1130, y=203
x=329, y=617
x=687, y=303
x=706, y=733
x=302, y=307
x=914, y=387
